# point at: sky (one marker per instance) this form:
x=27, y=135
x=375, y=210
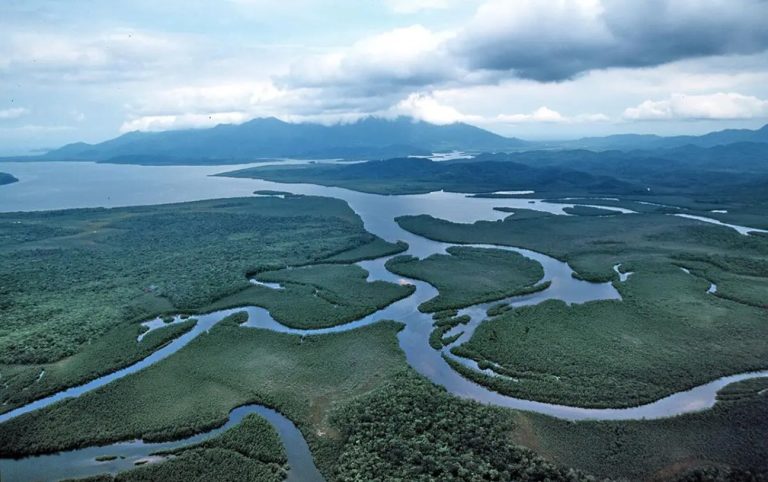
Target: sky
x=90, y=70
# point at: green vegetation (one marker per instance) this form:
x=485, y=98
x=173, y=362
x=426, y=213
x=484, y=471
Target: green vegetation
x=411, y=430
x=71, y=278
x=116, y=349
x=375, y=249
x=579, y=210
x=318, y=296
x=592, y=245
x=252, y=450
x=414, y=176
x=666, y=335
x=726, y=443
x=194, y=390
x=319, y=382
x=110, y=265
x=443, y=325
x=6, y=178
x=203, y=465
x=467, y=276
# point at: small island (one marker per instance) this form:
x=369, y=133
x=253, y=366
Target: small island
x=6, y=178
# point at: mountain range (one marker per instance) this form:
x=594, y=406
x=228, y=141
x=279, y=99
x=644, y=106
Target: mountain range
x=272, y=138
x=641, y=141
x=372, y=138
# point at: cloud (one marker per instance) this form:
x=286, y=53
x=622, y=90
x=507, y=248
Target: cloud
x=558, y=39
x=155, y=123
x=427, y=108
x=546, y=115
x=531, y=39
x=13, y=113
x=97, y=56
x=719, y=106
x=409, y=56
x=207, y=98
x=542, y=114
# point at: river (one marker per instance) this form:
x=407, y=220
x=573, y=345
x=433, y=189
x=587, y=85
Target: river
x=46, y=186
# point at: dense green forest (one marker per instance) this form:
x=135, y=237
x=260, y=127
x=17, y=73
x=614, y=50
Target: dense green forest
x=194, y=390
x=6, y=178
x=411, y=430
x=251, y=450
x=468, y=276
x=76, y=282
x=622, y=353
x=414, y=176
x=114, y=350
x=356, y=401
x=318, y=296
x=726, y=443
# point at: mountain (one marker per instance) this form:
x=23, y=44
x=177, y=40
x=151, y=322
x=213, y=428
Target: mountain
x=269, y=137
x=626, y=142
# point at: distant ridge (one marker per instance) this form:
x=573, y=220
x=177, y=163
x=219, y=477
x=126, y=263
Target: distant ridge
x=650, y=141
x=269, y=137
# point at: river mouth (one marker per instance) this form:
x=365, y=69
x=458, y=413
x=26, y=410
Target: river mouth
x=378, y=214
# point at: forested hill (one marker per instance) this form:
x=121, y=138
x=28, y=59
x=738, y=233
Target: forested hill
x=269, y=137
x=740, y=168
x=410, y=176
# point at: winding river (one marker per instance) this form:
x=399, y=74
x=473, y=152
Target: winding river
x=378, y=214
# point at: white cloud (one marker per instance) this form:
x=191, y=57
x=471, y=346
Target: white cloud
x=425, y=107
x=546, y=115
x=720, y=106
x=214, y=97
x=205, y=106
x=13, y=113
x=403, y=56
x=155, y=123
x=542, y=114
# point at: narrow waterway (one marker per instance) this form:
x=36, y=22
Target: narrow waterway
x=378, y=214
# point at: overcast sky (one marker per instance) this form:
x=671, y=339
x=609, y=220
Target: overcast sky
x=538, y=69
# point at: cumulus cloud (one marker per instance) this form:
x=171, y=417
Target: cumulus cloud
x=555, y=40
x=427, y=108
x=409, y=56
x=530, y=39
x=13, y=113
x=546, y=115
x=719, y=106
